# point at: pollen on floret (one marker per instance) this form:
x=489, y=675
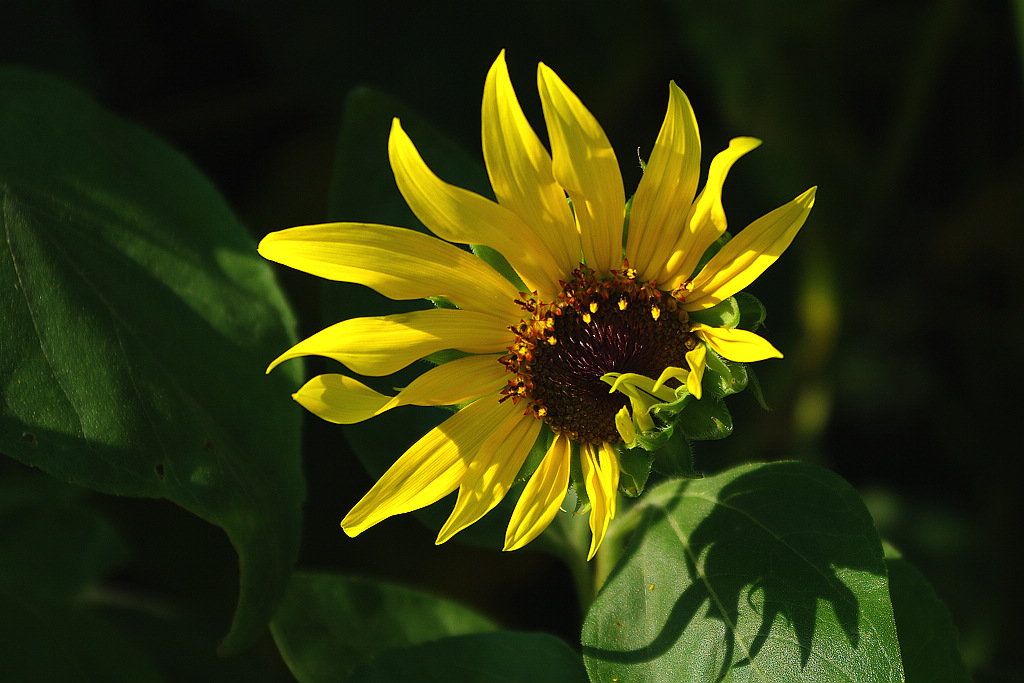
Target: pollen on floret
x=561, y=380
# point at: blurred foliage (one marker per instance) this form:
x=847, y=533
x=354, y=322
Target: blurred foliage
x=907, y=115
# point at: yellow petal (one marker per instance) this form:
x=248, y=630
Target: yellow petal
x=381, y=345
x=458, y=215
x=601, y=477
x=431, y=468
x=340, y=399
x=641, y=386
x=585, y=165
x=666, y=189
x=739, y=345
x=748, y=254
x=695, y=358
x=705, y=221
x=671, y=372
x=398, y=263
x=542, y=496
x=624, y=425
x=343, y=400
x=492, y=470
x=520, y=170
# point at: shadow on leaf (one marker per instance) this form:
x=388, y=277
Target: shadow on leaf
x=762, y=566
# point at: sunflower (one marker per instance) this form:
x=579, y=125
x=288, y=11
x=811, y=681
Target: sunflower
x=600, y=321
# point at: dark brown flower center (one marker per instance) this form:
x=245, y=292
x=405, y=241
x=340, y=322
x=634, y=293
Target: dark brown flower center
x=563, y=348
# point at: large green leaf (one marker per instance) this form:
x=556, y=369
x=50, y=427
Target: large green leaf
x=65, y=619
x=500, y=657
x=761, y=573
x=51, y=544
x=137, y=320
x=329, y=624
x=53, y=550
x=49, y=640
x=928, y=638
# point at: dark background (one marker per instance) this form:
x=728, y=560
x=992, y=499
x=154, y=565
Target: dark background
x=897, y=307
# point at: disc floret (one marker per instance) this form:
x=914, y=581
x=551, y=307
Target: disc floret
x=594, y=327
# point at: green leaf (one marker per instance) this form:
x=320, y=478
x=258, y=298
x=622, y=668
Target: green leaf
x=504, y=656
x=49, y=640
x=761, y=573
x=329, y=624
x=928, y=638
x=54, y=550
x=137, y=322
x=51, y=544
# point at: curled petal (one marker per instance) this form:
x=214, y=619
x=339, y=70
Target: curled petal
x=458, y=215
x=399, y=263
x=695, y=359
x=542, y=496
x=735, y=344
x=381, y=345
x=748, y=254
x=601, y=477
x=585, y=165
x=705, y=221
x=671, y=372
x=624, y=426
x=343, y=400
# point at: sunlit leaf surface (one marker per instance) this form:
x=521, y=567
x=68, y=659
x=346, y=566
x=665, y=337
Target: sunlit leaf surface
x=762, y=573
x=137, y=321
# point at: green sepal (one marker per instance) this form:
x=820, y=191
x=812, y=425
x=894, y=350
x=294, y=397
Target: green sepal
x=625, y=223
x=664, y=415
x=705, y=420
x=675, y=459
x=654, y=439
x=755, y=389
x=441, y=302
x=666, y=411
x=725, y=314
x=536, y=454
x=634, y=469
x=499, y=263
x=739, y=377
x=752, y=312
x=445, y=355
x=577, y=482
x=710, y=252
x=724, y=378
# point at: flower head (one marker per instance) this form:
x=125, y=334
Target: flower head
x=586, y=349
